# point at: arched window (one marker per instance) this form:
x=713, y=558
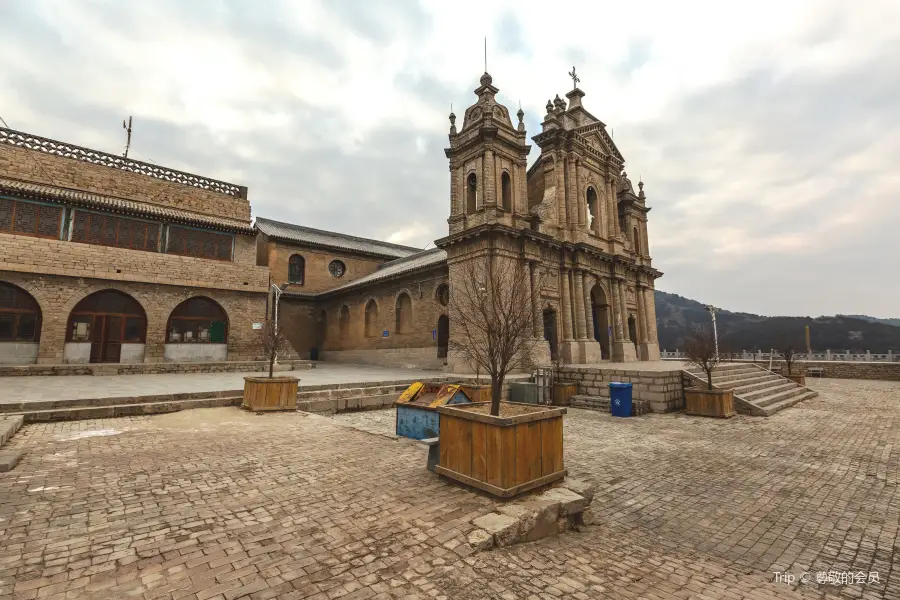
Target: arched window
x=344, y=322
x=404, y=313
x=296, y=269
x=197, y=320
x=506, y=191
x=471, y=194
x=443, y=294
x=636, y=240
x=20, y=315
x=591, y=207
x=371, y=319
x=107, y=319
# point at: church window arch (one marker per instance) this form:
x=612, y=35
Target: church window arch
x=506, y=191
x=403, y=312
x=471, y=193
x=296, y=269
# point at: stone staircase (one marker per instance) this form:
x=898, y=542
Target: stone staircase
x=9, y=425
x=757, y=391
x=102, y=408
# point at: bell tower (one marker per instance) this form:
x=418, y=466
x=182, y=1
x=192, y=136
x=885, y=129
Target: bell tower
x=488, y=180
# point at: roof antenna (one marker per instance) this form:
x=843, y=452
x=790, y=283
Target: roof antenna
x=128, y=129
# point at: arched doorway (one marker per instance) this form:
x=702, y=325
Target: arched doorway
x=600, y=312
x=20, y=325
x=197, y=331
x=443, y=335
x=371, y=319
x=632, y=333
x=102, y=324
x=550, y=332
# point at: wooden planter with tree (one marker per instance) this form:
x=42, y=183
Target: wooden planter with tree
x=788, y=350
x=501, y=448
x=504, y=455
x=700, y=351
x=271, y=393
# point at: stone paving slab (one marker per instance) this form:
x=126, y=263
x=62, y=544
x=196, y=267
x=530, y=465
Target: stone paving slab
x=67, y=387
x=217, y=503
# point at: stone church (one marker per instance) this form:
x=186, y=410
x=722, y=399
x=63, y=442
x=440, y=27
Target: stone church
x=573, y=217
x=108, y=259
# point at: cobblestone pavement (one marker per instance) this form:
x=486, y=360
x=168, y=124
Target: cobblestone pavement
x=216, y=503
x=63, y=387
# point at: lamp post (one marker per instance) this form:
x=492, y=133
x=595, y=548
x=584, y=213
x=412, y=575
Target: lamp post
x=712, y=313
x=277, y=293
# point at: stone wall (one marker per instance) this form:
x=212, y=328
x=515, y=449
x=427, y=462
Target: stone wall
x=847, y=370
x=57, y=296
x=317, y=278
x=45, y=370
x=53, y=257
x=662, y=389
x=49, y=169
x=423, y=358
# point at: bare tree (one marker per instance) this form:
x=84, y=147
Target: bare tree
x=700, y=352
x=274, y=342
x=788, y=351
x=492, y=315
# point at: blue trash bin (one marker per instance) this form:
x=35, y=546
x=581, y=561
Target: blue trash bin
x=620, y=399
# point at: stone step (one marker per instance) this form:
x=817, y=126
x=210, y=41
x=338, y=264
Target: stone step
x=788, y=402
x=764, y=401
x=720, y=372
x=9, y=425
x=775, y=387
x=741, y=376
x=750, y=384
x=26, y=407
x=126, y=410
x=601, y=404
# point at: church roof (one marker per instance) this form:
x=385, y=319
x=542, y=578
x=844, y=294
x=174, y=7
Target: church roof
x=330, y=239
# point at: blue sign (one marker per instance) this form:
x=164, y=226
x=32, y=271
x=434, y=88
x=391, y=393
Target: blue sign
x=385, y=333
x=434, y=334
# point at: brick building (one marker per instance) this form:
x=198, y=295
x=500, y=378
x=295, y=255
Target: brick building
x=107, y=259
x=574, y=218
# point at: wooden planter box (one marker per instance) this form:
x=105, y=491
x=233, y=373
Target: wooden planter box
x=504, y=455
x=795, y=377
x=270, y=393
x=563, y=392
x=709, y=403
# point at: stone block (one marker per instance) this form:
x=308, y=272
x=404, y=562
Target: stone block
x=526, y=516
x=9, y=459
x=370, y=402
x=503, y=528
x=569, y=501
x=480, y=540
x=585, y=489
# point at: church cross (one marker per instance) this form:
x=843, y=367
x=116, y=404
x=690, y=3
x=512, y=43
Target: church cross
x=574, y=77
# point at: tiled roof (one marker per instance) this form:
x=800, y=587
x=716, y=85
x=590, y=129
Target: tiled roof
x=25, y=190
x=416, y=262
x=331, y=239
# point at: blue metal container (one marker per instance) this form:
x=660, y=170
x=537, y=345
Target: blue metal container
x=620, y=399
x=417, y=416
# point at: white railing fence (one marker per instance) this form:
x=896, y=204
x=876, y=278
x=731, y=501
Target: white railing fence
x=827, y=355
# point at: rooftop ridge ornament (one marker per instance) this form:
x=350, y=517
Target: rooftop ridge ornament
x=575, y=79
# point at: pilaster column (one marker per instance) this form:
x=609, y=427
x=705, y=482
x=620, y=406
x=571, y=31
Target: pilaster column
x=454, y=192
x=578, y=276
x=490, y=175
x=599, y=219
x=560, y=190
x=536, y=325
x=613, y=208
x=572, y=195
x=580, y=201
x=625, y=333
x=566, y=307
x=641, y=301
x=650, y=303
x=521, y=203
x=588, y=306
x=617, y=308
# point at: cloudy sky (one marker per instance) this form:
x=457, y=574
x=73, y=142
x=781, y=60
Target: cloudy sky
x=768, y=135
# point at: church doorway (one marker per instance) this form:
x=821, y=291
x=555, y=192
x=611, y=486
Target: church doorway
x=550, y=332
x=600, y=312
x=443, y=335
x=632, y=331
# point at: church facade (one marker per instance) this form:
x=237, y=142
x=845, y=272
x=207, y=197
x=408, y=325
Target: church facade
x=107, y=259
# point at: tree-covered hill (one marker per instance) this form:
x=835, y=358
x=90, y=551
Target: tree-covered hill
x=742, y=331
